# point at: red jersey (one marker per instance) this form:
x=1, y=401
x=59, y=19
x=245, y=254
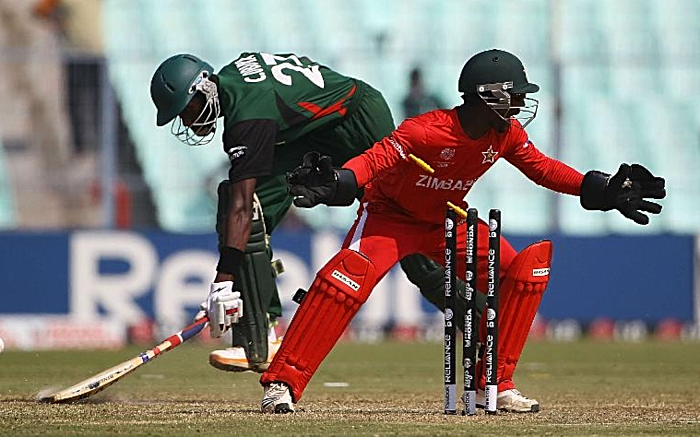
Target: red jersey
x=394, y=183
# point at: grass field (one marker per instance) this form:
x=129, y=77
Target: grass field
x=584, y=388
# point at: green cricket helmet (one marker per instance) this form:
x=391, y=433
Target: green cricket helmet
x=173, y=86
x=495, y=76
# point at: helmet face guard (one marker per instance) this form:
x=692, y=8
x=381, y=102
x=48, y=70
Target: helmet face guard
x=202, y=130
x=498, y=97
x=496, y=76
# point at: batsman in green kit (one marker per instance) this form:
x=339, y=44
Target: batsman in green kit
x=275, y=109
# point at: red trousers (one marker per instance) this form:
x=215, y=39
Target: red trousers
x=386, y=238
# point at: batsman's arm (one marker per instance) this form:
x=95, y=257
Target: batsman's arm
x=250, y=148
x=238, y=225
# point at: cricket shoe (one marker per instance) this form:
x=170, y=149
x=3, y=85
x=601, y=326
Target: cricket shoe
x=277, y=399
x=233, y=359
x=510, y=400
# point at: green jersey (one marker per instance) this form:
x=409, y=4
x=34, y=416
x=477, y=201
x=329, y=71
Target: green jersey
x=275, y=99
x=299, y=94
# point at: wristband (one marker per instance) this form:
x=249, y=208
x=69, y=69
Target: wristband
x=346, y=188
x=593, y=191
x=230, y=260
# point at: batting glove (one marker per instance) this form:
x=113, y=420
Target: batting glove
x=224, y=307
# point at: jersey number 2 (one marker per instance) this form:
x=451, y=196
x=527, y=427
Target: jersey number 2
x=279, y=63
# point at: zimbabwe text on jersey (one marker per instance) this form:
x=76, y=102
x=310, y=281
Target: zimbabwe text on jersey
x=434, y=183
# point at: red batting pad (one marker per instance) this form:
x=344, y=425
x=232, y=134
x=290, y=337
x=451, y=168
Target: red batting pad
x=336, y=295
x=519, y=298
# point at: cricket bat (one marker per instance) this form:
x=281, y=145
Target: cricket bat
x=101, y=381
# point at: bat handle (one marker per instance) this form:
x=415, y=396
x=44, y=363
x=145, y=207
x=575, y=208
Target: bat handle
x=198, y=325
x=194, y=328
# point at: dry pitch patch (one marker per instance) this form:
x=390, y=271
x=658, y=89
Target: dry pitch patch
x=353, y=417
x=584, y=388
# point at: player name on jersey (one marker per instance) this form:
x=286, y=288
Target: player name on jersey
x=250, y=69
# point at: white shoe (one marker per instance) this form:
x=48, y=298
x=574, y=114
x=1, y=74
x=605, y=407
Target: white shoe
x=510, y=400
x=233, y=359
x=277, y=399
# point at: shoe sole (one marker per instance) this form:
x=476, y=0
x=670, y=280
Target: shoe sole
x=533, y=409
x=240, y=367
x=283, y=409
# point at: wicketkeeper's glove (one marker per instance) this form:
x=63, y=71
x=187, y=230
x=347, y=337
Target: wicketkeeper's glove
x=625, y=191
x=316, y=182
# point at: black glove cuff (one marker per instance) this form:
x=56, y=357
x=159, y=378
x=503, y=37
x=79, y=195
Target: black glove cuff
x=593, y=195
x=346, y=190
x=230, y=260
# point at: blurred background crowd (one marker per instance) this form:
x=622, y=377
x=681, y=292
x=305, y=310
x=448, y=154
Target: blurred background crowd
x=79, y=146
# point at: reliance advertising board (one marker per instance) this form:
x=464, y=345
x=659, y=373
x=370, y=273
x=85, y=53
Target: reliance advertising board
x=105, y=280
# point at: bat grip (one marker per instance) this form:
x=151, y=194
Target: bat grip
x=197, y=326
x=194, y=328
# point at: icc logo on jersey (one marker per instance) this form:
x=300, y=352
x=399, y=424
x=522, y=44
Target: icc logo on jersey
x=447, y=154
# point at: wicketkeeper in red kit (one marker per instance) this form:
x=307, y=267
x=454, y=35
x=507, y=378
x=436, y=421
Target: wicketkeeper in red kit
x=402, y=212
